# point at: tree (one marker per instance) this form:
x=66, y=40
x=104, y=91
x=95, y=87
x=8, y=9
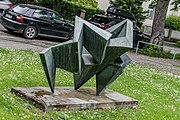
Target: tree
x=160, y=17
x=57, y=4
x=157, y=34
x=132, y=6
x=176, y=3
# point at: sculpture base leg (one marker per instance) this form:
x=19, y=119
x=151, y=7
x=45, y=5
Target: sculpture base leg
x=66, y=98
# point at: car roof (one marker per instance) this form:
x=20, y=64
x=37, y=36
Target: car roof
x=120, y=12
x=35, y=7
x=107, y=17
x=5, y=1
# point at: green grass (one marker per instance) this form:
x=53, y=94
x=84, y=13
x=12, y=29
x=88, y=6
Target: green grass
x=157, y=92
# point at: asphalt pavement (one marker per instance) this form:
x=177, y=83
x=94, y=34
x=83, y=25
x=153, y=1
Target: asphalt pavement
x=16, y=41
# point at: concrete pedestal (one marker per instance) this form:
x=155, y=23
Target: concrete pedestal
x=66, y=98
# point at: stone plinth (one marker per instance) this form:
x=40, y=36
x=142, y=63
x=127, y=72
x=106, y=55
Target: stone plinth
x=66, y=98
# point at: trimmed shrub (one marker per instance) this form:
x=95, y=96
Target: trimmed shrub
x=68, y=8
x=178, y=44
x=92, y=3
x=154, y=51
x=173, y=22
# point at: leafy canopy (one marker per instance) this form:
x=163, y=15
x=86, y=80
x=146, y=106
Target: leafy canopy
x=132, y=6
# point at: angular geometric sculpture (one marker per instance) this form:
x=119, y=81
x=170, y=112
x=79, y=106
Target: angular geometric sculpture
x=93, y=51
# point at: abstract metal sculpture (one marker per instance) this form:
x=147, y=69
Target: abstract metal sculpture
x=93, y=51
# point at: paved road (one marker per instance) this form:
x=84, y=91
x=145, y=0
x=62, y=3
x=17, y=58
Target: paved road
x=16, y=41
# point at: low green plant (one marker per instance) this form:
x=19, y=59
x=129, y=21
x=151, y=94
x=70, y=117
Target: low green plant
x=178, y=44
x=155, y=51
x=173, y=22
x=156, y=92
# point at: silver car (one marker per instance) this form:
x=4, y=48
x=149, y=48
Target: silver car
x=4, y=4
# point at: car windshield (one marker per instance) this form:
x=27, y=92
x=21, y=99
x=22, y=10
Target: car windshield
x=4, y=0
x=20, y=9
x=24, y=10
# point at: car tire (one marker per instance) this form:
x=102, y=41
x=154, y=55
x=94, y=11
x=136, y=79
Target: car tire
x=30, y=32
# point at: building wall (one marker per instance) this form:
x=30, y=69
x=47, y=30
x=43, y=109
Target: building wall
x=148, y=22
x=103, y=4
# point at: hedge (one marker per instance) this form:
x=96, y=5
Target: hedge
x=70, y=9
x=92, y=3
x=67, y=8
x=173, y=22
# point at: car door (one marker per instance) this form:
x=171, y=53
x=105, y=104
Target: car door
x=42, y=21
x=60, y=27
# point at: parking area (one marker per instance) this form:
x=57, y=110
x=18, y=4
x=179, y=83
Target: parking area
x=16, y=41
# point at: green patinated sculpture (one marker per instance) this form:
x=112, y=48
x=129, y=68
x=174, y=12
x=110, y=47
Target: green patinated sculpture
x=93, y=51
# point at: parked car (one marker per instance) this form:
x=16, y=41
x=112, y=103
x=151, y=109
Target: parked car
x=4, y=4
x=32, y=21
x=114, y=16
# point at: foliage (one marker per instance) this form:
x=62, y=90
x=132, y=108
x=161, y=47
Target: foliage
x=68, y=8
x=132, y=6
x=154, y=51
x=173, y=22
x=178, y=44
x=92, y=3
x=153, y=4
x=175, y=3
x=156, y=91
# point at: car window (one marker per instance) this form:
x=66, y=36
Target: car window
x=20, y=9
x=100, y=20
x=42, y=14
x=29, y=12
x=56, y=17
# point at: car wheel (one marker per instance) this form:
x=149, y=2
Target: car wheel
x=30, y=32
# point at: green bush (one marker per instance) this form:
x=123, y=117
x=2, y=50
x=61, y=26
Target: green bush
x=178, y=44
x=92, y=3
x=173, y=22
x=68, y=8
x=154, y=51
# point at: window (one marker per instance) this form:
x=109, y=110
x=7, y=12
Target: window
x=42, y=14
x=29, y=12
x=150, y=13
x=56, y=17
x=20, y=9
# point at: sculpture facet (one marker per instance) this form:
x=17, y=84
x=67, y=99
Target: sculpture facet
x=93, y=51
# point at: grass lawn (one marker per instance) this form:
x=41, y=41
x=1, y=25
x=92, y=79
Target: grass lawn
x=158, y=93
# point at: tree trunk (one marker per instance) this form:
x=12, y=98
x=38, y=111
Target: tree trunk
x=54, y=4
x=159, y=21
